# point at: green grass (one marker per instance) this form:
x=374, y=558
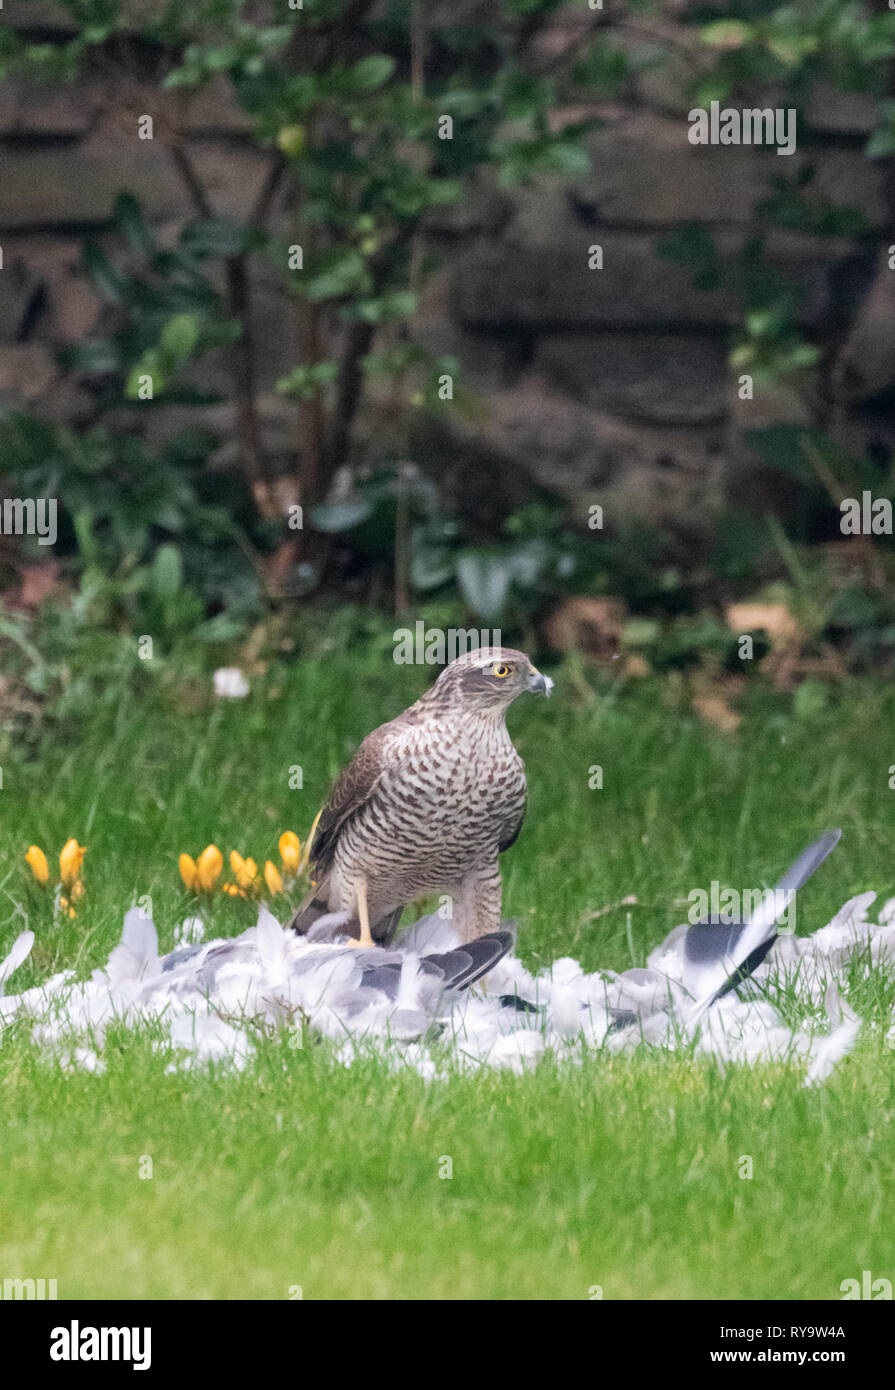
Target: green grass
x=621, y=1173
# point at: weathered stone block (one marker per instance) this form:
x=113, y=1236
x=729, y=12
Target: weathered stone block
x=654, y=377
x=44, y=16
x=841, y=113
x=71, y=308
x=563, y=446
x=43, y=108
x=484, y=209
x=866, y=364
x=645, y=173
x=20, y=285
x=232, y=173
x=548, y=286
x=512, y=285
x=52, y=187
x=27, y=371
x=213, y=110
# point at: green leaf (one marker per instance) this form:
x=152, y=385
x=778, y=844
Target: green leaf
x=464, y=103
x=528, y=561
x=388, y=308
x=695, y=247
x=430, y=566
x=764, y=323
x=108, y=279
x=177, y=342
x=603, y=68
x=217, y=237
x=395, y=359
x=726, y=33
x=372, y=72
x=336, y=517
x=97, y=356
x=780, y=446
x=791, y=47
x=129, y=219
x=221, y=333
x=640, y=632
x=484, y=578
x=522, y=95
x=881, y=144
x=811, y=698
x=87, y=546
x=150, y=365
x=166, y=572
x=339, y=271
x=179, y=338
x=223, y=627
x=743, y=355
x=564, y=157
x=709, y=87
x=304, y=383
x=802, y=355
x=97, y=33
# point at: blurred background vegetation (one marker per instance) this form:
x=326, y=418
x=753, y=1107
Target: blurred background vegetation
x=314, y=361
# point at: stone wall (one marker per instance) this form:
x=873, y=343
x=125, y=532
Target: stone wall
x=608, y=385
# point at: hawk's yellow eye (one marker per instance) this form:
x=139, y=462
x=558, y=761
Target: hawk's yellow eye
x=500, y=670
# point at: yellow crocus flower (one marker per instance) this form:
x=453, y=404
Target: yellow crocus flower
x=38, y=862
x=71, y=857
x=272, y=877
x=187, y=865
x=290, y=851
x=247, y=873
x=188, y=870
x=208, y=867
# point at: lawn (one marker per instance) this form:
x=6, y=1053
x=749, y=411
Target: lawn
x=620, y=1175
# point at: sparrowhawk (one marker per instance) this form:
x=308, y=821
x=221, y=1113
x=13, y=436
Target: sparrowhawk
x=427, y=804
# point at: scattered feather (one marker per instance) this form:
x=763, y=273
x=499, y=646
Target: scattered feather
x=409, y=1003
x=21, y=950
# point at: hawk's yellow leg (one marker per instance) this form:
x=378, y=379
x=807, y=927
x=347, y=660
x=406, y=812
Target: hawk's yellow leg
x=363, y=916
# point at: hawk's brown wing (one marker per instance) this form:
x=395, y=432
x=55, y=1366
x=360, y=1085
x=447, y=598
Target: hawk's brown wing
x=352, y=791
x=511, y=834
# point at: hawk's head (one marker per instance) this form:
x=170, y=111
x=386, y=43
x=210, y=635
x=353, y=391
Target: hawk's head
x=490, y=678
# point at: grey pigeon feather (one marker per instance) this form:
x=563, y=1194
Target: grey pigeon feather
x=721, y=952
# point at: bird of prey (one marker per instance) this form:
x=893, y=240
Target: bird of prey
x=427, y=804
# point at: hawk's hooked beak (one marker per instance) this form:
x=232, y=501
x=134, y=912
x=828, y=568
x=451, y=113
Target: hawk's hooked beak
x=538, y=684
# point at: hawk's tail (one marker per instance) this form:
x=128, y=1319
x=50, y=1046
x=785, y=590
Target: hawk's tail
x=307, y=912
x=313, y=907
